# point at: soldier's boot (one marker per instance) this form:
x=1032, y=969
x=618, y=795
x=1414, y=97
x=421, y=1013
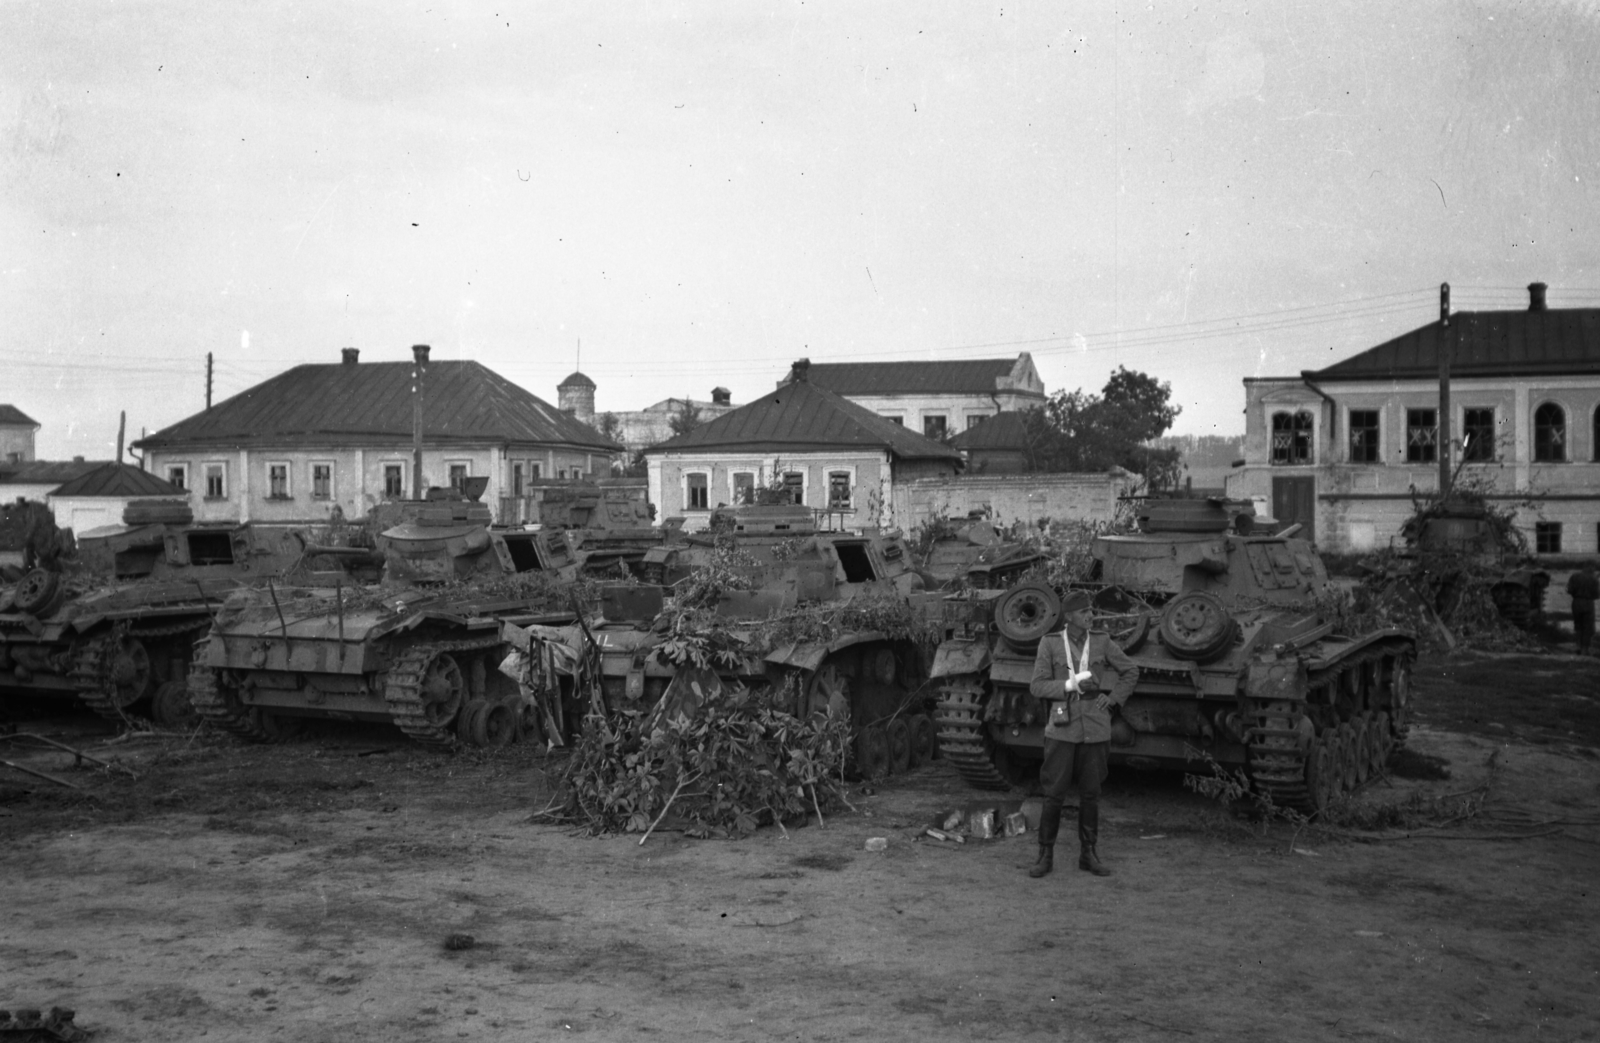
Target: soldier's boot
x=1088, y=836
x=1047, y=861
x=1049, y=825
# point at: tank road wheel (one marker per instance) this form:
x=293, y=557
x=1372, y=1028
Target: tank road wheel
x=426, y=690
x=1385, y=738
x=497, y=724
x=921, y=739
x=898, y=732
x=828, y=689
x=1349, y=753
x=170, y=706
x=1321, y=786
x=1365, y=734
x=1196, y=626
x=39, y=593
x=963, y=739
x=129, y=670
x=275, y=727
x=1400, y=698
x=872, y=752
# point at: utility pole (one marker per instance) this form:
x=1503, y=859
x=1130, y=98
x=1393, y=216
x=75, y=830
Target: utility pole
x=1446, y=356
x=419, y=369
x=122, y=428
x=208, y=380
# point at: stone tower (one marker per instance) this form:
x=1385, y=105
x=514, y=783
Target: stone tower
x=576, y=396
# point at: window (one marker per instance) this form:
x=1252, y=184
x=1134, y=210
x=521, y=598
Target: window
x=698, y=494
x=394, y=481
x=1547, y=537
x=839, y=485
x=322, y=481
x=1594, y=443
x=1422, y=436
x=562, y=473
x=535, y=470
x=277, y=481
x=1363, y=436
x=458, y=476
x=1291, y=438
x=794, y=485
x=216, y=481
x=744, y=488
x=934, y=427
x=516, y=480
x=895, y=418
x=1549, y=433
x=974, y=419
x=1477, y=434
x=178, y=474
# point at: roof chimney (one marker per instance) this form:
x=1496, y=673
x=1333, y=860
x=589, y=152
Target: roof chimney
x=350, y=356
x=420, y=352
x=1536, y=296
x=800, y=369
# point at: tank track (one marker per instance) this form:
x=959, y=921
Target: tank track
x=1298, y=765
x=217, y=709
x=962, y=738
x=91, y=666
x=402, y=689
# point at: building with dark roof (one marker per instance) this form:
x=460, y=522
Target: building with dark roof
x=37, y=479
x=1341, y=449
x=939, y=399
x=16, y=435
x=998, y=445
x=827, y=451
x=319, y=437
x=98, y=496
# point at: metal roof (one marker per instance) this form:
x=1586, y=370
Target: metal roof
x=578, y=379
x=1487, y=344
x=44, y=472
x=965, y=377
x=1007, y=430
x=114, y=479
x=802, y=416
x=370, y=402
x=10, y=414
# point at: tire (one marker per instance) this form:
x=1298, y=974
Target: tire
x=37, y=591
x=1026, y=613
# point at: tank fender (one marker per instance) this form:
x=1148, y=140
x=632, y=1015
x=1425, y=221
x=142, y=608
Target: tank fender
x=808, y=655
x=960, y=657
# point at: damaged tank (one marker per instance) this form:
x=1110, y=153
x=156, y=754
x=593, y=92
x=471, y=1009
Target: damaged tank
x=1444, y=546
x=1236, y=662
x=613, y=528
x=420, y=649
x=974, y=553
x=116, y=623
x=859, y=657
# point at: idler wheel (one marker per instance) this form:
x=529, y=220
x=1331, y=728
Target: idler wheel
x=898, y=734
x=922, y=739
x=1027, y=612
x=872, y=752
x=1196, y=626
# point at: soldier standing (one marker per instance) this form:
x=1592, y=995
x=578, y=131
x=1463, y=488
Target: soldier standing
x=1082, y=673
x=1584, y=588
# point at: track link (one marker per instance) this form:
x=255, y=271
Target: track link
x=402, y=690
x=220, y=708
x=90, y=675
x=963, y=741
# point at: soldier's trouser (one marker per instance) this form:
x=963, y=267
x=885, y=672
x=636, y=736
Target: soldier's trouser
x=1064, y=763
x=1583, y=624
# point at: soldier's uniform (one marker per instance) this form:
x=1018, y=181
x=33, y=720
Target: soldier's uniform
x=1077, y=739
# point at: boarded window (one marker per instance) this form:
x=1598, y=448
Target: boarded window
x=839, y=490
x=794, y=486
x=1291, y=438
x=1477, y=434
x=1422, y=436
x=1363, y=436
x=1549, y=433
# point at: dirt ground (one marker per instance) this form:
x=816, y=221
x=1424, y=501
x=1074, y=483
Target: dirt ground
x=306, y=892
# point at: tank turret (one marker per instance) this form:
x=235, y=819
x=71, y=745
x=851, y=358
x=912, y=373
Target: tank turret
x=1237, y=661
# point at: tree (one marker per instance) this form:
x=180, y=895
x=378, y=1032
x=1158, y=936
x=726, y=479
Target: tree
x=1079, y=431
x=609, y=426
x=685, y=419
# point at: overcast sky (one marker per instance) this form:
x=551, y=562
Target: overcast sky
x=700, y=193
